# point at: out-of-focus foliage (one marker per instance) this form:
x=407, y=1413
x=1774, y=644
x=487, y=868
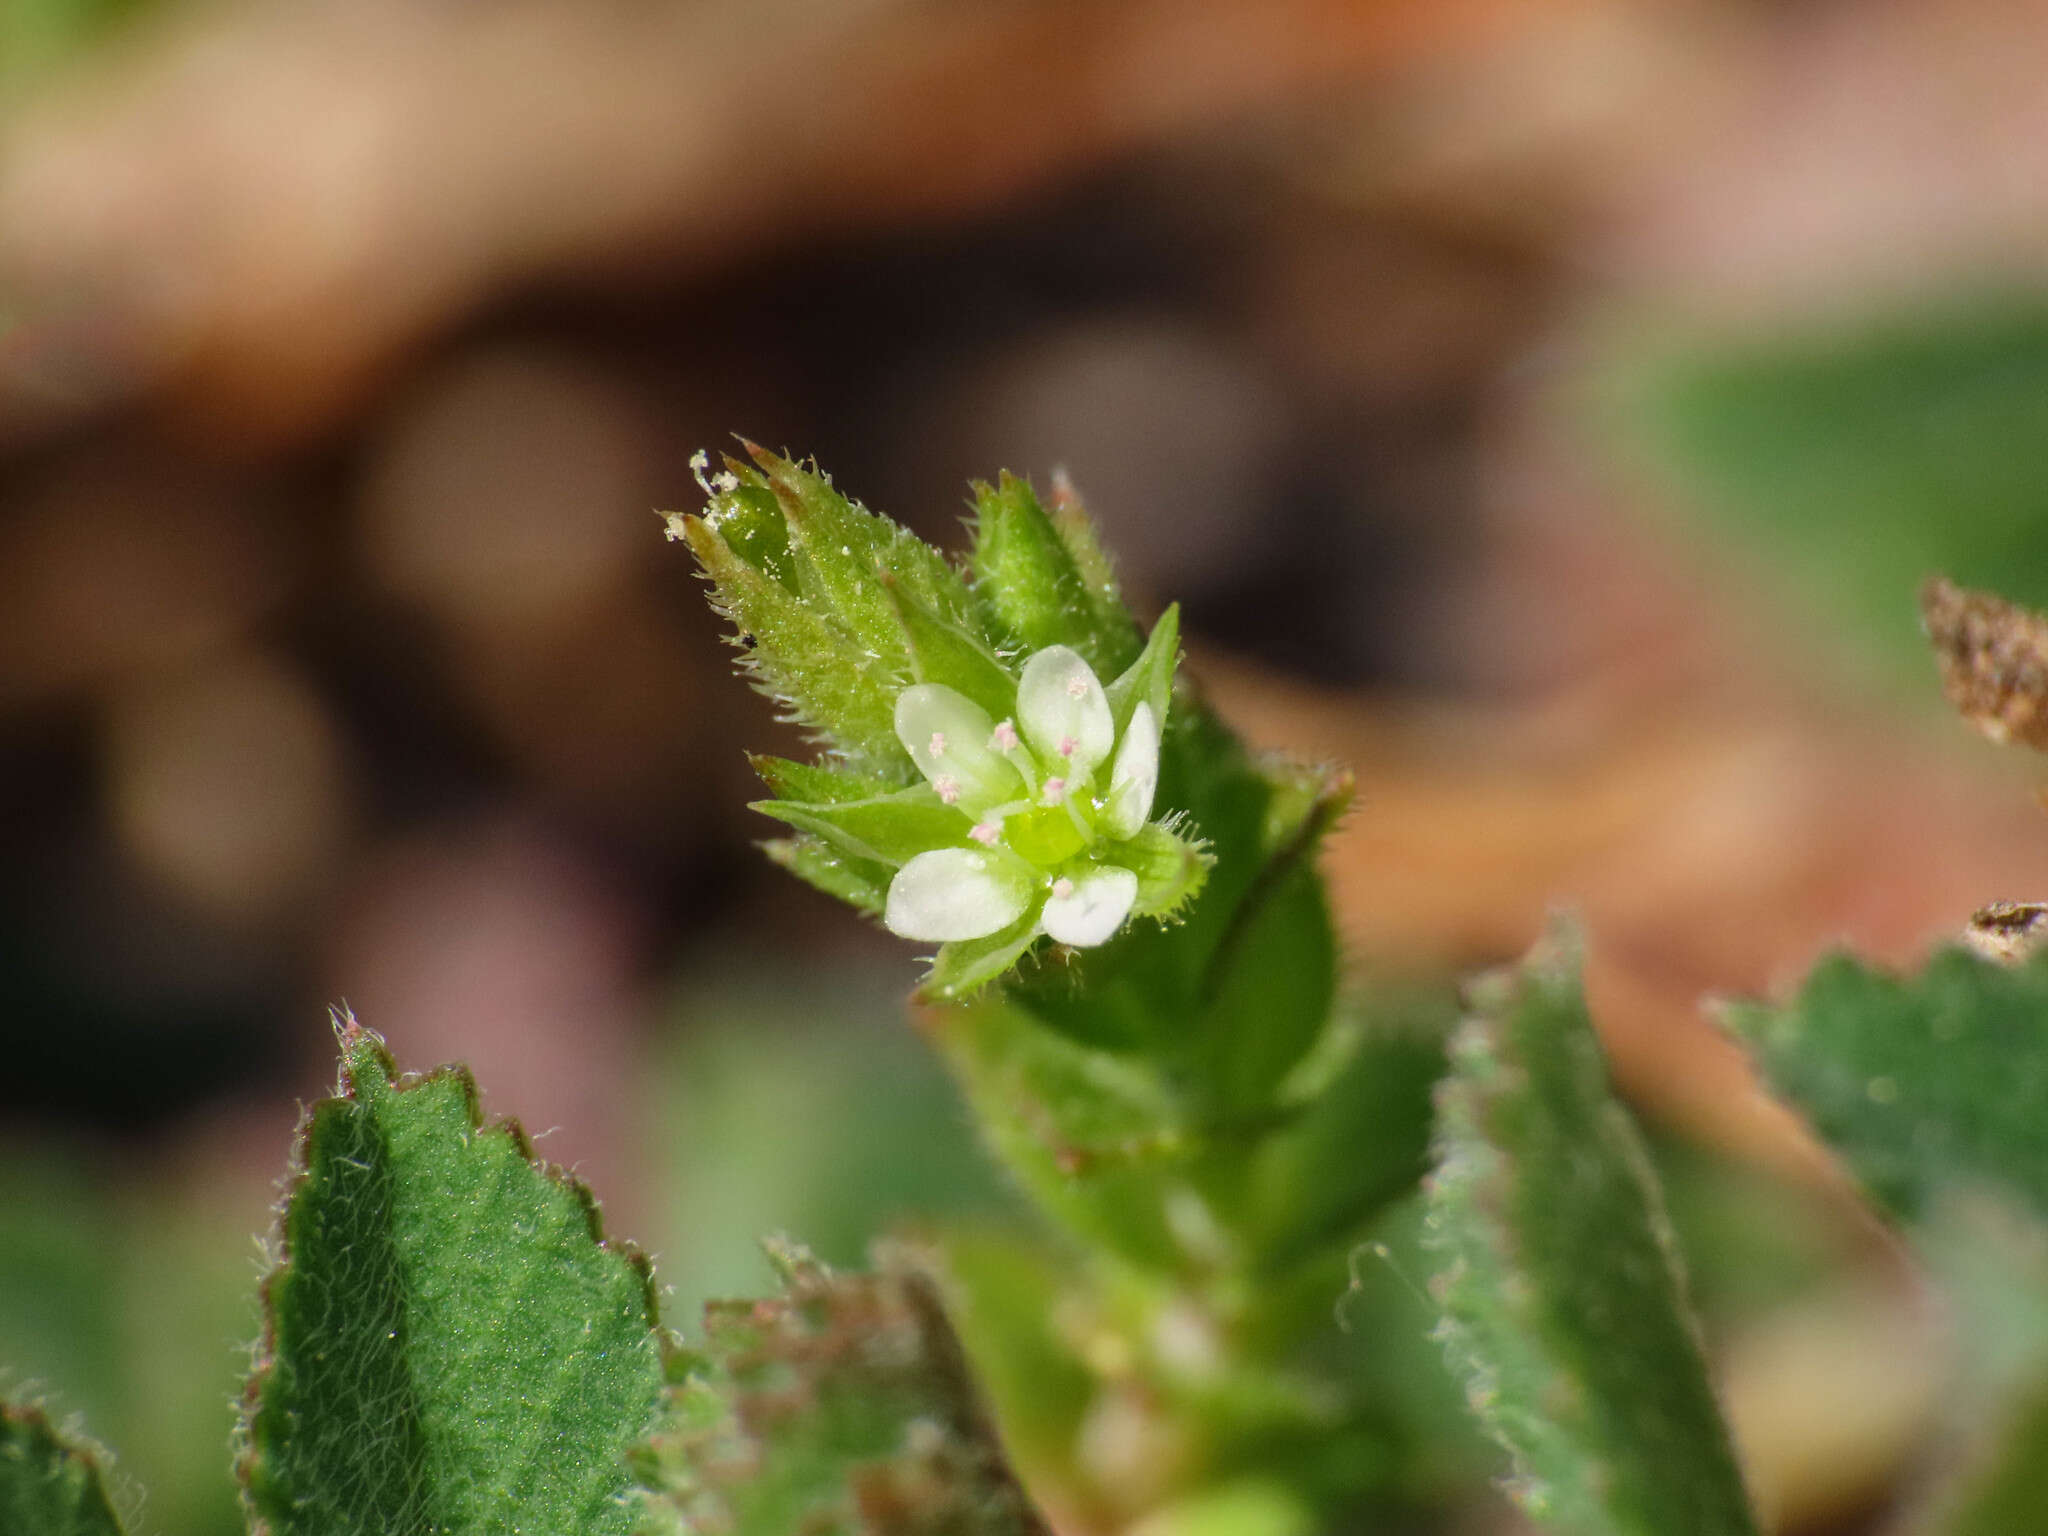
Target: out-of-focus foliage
x=36, y=34
x=1857, y=459
x=800, y=1104
x=1922, y=1083
x=1565, y=1310
x=49, y=1486
x=88, y=1275
x=844, y=1407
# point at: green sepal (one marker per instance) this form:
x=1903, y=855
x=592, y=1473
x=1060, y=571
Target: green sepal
x=818, y=783
x=801, y=657
x=848, y=549
x=966, y=965
x=1919, y=1082
x=1108, y=616
x=862, y=884
x=1150, y=678
x=50, y=1484
x=750, y=520
x=1028, y=581
x=1564, y=1307
x=892, y=829
x=1170, y=868
x=945, y=652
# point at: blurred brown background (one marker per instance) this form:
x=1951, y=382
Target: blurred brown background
x=347, y=351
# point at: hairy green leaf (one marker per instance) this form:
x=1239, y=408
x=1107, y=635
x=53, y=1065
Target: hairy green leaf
x=849, y=548
x=1919, y=1082
x=450, y=1345
x=801, y=657
x=50, y=1485
x=1564, y=1308
x=843, y=1407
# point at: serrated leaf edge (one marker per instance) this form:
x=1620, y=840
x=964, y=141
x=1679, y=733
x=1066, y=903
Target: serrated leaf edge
x=350, y=1036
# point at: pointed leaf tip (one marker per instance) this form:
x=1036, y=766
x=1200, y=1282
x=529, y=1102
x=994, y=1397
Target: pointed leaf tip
x=1564, y=1305
x=443, y=1304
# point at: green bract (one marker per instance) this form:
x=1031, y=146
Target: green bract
x=982, y=786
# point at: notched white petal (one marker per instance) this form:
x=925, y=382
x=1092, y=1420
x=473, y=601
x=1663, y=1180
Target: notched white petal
x=1064, y=713
x=956, y=893
x=947, y=734
x=1134, y=779
x=1089, y=910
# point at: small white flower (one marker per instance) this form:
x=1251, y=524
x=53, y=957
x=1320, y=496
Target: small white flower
x=1013, y=860
x=942, y=730
x=1060, y=700
x=956, y=893
x=1092, y=908
x=1134, y=778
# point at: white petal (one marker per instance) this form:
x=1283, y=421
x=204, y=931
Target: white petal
x=1094, y=909
x=956, y=893
x=947, y=735
x=1135, y=778
x=1064, y=713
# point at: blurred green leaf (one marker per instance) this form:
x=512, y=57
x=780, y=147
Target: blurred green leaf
x=1989, y=1255
x=1564, y=1309
x=800, y=1099
x=1753, y=1240
x=59, y=1285
x=50, y=1485
x=1010, y=1291
x=1860, y=459
x=1363, y=1137
x=2005, y=1488
x=842, y=1407
x=449, y=1343
x=1918, y=1082
x=37, y=34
